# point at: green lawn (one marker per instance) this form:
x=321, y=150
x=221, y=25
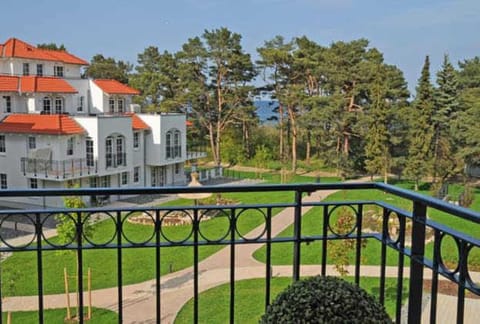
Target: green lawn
x=138, y=264
x=250, y=300
x=312, y=224
x=99, y=316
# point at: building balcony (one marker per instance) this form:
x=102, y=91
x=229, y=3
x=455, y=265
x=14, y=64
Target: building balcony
x=115, y=160
x=196, y=152
x=402, y=243
x=58, y=169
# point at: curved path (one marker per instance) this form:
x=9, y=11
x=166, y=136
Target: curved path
x=177, y=288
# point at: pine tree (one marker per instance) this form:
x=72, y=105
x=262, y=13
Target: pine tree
x=421, y=130
x=445, y=118
x=377, y=137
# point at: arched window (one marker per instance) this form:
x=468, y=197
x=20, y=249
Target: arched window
x=173, y=143
x=115, y=151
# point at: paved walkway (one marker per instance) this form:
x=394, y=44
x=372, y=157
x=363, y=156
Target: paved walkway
x=177, y=288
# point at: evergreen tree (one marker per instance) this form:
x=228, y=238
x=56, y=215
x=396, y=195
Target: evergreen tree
x=157, y=79
x=468, y=132
x=108, y=68
x=276, y=61
x=52, y=46
x=214, y=72
x=445, y=117
x=377, y=136
x=382, y=128
x=421, y=129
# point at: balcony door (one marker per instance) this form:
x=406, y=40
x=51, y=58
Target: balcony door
x=158, y=176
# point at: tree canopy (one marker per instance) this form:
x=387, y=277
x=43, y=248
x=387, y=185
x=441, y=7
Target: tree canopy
x=340, y=104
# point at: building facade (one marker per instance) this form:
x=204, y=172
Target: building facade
x=59, y=130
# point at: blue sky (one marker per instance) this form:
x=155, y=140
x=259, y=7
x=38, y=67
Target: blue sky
x=404, y=30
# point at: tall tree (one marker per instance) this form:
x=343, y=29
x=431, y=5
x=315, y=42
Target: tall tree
x=421, y=129
x=388, y=93
x=469, y=115
x=108, y=68
x=215, y=73
x=276, y=60
x=445, y=117
x=157, y=79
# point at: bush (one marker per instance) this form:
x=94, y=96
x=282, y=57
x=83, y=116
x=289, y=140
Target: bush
x=325, y=300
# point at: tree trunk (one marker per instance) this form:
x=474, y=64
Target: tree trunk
x=435, y=156
x=293, y=125
x=346, y=144
x=308, y=149
x=246, y=140
x=212, y=144
x=280, y=121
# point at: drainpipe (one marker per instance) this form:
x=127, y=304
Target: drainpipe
x=144, y=158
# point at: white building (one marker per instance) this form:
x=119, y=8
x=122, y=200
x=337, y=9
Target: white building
x=58, y=129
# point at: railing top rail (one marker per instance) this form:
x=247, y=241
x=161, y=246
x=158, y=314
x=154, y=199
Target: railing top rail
x=305, y=187
x=308, y=187
x=431, y=202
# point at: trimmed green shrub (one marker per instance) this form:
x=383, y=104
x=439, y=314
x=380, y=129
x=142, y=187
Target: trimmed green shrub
x=325, y=300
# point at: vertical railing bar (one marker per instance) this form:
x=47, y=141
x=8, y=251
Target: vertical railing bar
x=461, y=281
x=79, y=230
x=415, y=293
x=297, y=235
x=1, y=293
x=434, y=290
x=268, y=268
x=119, y=267
x=232, y=265
x=195, y=266
x=358, y=244
x=157, y=266
x=383, y=258
x=401, y=263
x=38, y=228
x=324, y=240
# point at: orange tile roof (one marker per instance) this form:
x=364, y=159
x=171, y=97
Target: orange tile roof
x=115, y=87
x=40, y=124
x=45, y=84
x=17, y=48
x=8, y=83
x=137, y=122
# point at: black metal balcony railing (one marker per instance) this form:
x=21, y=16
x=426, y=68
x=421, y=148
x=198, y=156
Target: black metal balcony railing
x=196, y=152
x=460, y=275
x=57, y=169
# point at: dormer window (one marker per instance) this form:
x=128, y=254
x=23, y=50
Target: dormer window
x=58, y=71
x=116, y=105
x=47, y=106
x=120, y=105
x=111, y=105
x=8, y=104
x=26, y=69
x=81, y=100
x=39, y=69
x=59, y=106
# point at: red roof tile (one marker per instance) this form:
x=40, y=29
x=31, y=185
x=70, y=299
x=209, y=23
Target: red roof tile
x=17, y=48
x=115, y=87
x=8, y=83
x=137, y=122
x=40, y=124
x=45, y=84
